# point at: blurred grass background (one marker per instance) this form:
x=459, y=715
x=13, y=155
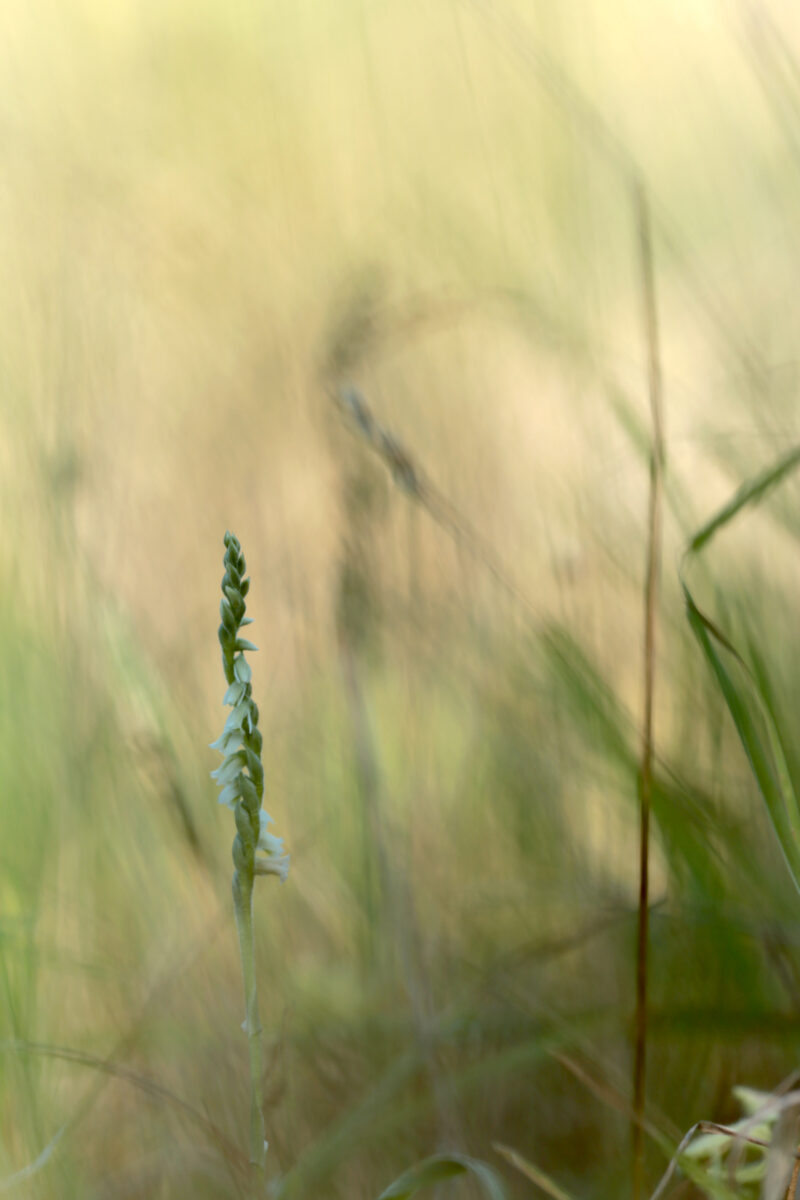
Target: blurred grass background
x=210, y=215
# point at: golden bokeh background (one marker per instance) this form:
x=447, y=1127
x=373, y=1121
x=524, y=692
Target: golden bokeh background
x=214, y=217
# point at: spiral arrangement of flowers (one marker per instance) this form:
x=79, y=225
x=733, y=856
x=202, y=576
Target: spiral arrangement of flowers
x=241, y=776
x=241, y=780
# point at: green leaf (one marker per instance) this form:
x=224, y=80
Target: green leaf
x=256, y=770
x=757, y=731
x=444, y=1166
x=226, y=613
x=750, y=492
x=243, y=644
x=244, y=827
x=747, y=696
x=247, y=790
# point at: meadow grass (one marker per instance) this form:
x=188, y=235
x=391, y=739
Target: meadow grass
x=208, y=216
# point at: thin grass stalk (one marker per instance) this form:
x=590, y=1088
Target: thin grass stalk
x=650, y=321
x=397, y=914
x=415, y=969
x=399, y=919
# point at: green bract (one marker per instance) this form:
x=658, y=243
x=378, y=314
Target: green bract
x=241, y=776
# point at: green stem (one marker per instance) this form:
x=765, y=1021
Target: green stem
x=243, y=907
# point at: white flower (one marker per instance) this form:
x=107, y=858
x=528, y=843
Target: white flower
x=272, y=866
x=276, y=862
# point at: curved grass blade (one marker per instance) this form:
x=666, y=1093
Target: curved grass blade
x=444, y=1166
x=542, y=1181
x=748, y=699
x=757, y=731
x=751, y=492
x=387, y=1108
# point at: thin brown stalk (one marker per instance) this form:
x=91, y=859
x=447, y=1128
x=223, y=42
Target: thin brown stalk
x=791, y=1191
x=650, y=321
x=542, y=1181
x=607, y=1094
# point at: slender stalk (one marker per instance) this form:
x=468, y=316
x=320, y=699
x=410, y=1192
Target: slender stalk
x=401, y=921
x=645, y=781
x=791, y=1191
x=241, y=778
x=243, y=908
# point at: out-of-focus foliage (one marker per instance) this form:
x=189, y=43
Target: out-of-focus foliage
x=218, y=216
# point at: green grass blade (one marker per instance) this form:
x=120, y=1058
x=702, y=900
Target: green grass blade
x=757, y=731
x=542, y=1181
x=751, y=492
x=444, y=1166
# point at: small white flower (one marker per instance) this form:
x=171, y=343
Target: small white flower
x=272, y=866
x=276, y=862
x=267, y=841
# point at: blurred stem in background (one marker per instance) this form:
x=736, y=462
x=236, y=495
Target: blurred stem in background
x=650, y=320
x=388, y=888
